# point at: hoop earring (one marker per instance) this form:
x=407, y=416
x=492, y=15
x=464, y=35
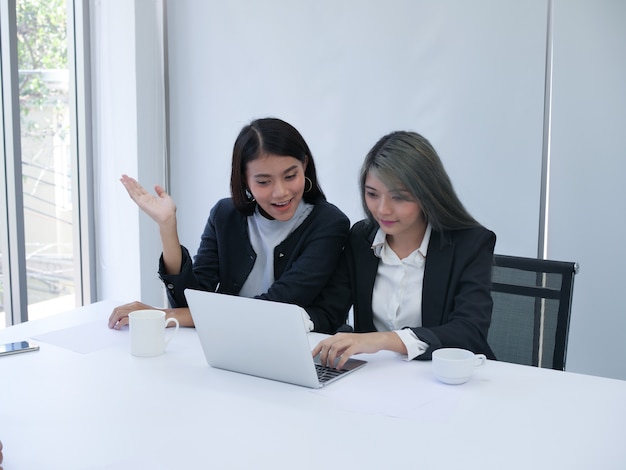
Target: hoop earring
x=308, y=180
x=249, y=196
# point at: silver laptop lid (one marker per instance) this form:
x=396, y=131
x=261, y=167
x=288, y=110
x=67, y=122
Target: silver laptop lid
x=252, y=336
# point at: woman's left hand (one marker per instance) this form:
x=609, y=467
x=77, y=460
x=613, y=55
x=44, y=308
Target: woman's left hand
x=343, y=345
x=119, y=316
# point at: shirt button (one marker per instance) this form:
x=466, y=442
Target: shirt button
x=170, y=286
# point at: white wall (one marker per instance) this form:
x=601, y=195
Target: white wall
x=587, y=221
x=467, y=75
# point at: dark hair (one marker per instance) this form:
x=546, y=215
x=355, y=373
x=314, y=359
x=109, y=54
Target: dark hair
x=408, y=160
x=269, y=136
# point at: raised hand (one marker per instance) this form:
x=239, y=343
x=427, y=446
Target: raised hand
x=161, y=208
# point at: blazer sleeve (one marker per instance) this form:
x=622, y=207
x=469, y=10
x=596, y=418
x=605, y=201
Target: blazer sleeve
x=330, y=309
x=350, y=286
x=463, y=317
x=201, y=273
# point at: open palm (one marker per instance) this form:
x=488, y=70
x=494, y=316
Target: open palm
x=161, y=208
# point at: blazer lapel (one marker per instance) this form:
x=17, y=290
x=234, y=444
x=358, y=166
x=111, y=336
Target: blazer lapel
x=438, y=263
x=366, y=269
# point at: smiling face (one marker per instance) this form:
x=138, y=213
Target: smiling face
x=277, y=184
x=397, y=212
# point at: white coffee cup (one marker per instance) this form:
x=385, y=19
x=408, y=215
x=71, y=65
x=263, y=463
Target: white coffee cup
x=147, y=332
x=455, y=366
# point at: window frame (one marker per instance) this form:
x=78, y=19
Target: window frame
x=11, y=200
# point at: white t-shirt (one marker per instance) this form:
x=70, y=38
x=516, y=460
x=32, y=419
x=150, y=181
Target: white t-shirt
x=265, y=235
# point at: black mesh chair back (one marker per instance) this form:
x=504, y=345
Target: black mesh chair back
x=532, y=301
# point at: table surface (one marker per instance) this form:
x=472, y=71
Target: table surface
x=83, y=402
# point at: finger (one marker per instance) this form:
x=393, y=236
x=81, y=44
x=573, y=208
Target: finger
x=316, y=350
x=128, y=179
x=122, y=322
x=114, y=322
x=160, y=191
x=121, y=313
x=128, y=182
x=132, y=192
x=326, y=349
x=343, y=359
x=322, y=350
x=136, y=191
x=323, y=356
x=333, y=354
x=113, y=318
x=339, y=350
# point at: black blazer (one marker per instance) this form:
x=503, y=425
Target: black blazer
x=303, y=262
x=456, y=292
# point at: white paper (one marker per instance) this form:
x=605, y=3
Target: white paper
x=86, y=338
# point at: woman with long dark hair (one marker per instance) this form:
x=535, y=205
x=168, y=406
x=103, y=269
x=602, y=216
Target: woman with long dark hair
x=276, y=238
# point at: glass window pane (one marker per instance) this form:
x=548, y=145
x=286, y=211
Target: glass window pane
x=46, y=155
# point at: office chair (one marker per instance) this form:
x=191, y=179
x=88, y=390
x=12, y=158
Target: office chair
x=532, y=301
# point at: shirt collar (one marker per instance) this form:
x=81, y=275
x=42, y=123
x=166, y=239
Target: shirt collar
x=380, y=239
x=426, y=240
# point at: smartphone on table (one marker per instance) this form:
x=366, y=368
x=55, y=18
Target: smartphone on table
x=16, y=348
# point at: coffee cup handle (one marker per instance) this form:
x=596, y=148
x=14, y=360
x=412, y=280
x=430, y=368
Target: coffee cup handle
x=480, y=360
x=173, y=333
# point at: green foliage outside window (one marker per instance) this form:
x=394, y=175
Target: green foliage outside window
x=42, y=46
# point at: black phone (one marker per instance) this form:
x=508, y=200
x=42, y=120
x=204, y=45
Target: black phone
x=15, y=348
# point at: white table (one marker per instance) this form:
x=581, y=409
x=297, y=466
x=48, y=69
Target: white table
x=105, y=409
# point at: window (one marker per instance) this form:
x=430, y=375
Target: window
x=45, y=251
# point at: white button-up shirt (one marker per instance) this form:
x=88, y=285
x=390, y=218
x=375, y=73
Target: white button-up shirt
x=397, y=293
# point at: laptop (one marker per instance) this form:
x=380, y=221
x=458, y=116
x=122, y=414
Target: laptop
x=259, y=337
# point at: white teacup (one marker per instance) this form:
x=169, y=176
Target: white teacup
x=455, y=366
x=147, y=332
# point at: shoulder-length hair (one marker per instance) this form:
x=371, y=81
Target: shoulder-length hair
x=406, y=159
x=269, y=136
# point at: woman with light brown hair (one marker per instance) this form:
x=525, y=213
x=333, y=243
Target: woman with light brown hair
x=417, y=270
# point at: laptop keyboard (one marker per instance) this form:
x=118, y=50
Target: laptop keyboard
x=324, y=374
